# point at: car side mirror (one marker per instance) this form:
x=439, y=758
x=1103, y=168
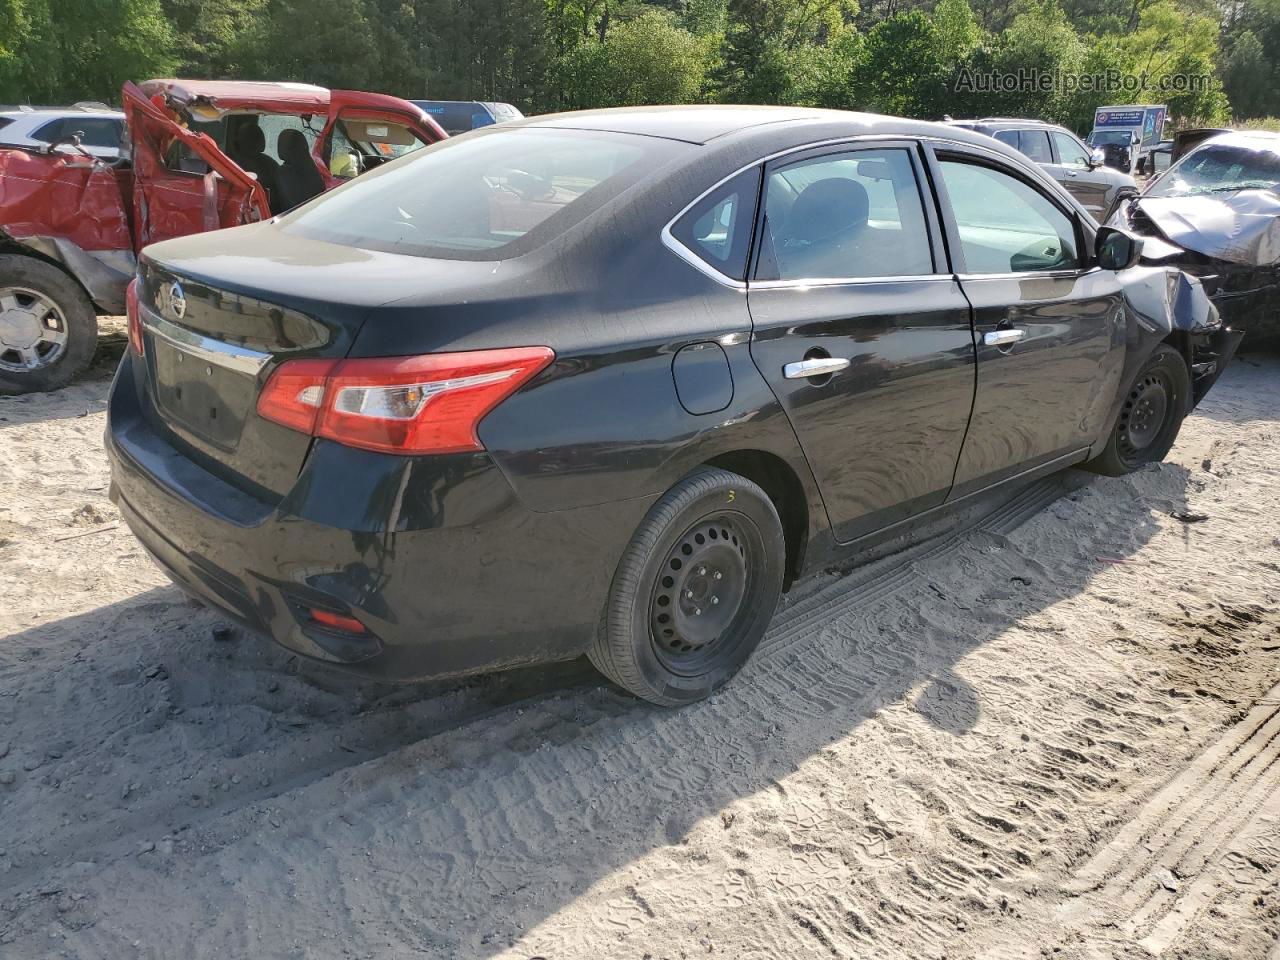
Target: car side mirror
x=1096, y=159
x=1117, y=249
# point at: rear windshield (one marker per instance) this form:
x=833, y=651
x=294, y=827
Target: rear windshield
x=489, y=196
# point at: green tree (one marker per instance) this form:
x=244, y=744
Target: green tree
x=1172, y=43
x=1040, y=41
x=901, y=71
x=1249, y=77
x=958, y=33
x=206, y=33
x=770, y=46
x=86, y=54
x=650, y=59
x=335, y=49
x=487, y=50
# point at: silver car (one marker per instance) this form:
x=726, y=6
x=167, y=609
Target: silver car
x=1078, y=168
x=99, y=126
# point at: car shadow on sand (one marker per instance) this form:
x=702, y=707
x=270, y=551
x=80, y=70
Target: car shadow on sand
x=147, y=725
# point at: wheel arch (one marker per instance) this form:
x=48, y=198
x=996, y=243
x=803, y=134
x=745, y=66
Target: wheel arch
x=787, y=492
x=101, y=285
x=1181, y=341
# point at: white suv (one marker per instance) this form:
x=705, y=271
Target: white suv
x=100, y=126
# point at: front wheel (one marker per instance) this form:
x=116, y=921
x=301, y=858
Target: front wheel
x=694, y=591
x=1150, y=415
x=48, y=330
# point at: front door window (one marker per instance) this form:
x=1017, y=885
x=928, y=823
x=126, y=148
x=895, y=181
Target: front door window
x=1005, y=225
x=1070, y=152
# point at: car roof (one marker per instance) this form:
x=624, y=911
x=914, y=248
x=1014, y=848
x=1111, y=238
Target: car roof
x=52, y=112
x=1252, y=139
x=701, y=124
x=242, y=94
x=1006, y=121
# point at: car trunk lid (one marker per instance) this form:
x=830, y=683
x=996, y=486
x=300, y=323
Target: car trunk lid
x=219, y=313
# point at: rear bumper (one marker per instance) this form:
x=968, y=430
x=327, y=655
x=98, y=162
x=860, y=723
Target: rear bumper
x=436, y=556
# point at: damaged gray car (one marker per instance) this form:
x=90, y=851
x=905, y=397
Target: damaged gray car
x=1216, y=214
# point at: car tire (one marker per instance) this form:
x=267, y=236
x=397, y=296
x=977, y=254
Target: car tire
x=1150, y=416
x=36, y=286
x=694, y=591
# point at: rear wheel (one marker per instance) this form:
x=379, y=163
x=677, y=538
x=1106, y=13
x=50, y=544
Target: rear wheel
x=694, y=591
x=48, y=330
x=1150, y=416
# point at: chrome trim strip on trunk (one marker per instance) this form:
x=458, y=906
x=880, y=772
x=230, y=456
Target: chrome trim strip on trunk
x=217, y=352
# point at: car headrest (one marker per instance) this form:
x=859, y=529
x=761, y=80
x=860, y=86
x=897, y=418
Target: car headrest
x=828, y=207
x=291, y=145
x=251, y=139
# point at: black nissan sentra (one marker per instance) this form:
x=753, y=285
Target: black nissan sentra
x=609, y=382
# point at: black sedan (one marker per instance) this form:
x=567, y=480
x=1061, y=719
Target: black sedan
x=609, y=382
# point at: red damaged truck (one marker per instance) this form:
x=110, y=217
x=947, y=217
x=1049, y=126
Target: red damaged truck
x=199, y=155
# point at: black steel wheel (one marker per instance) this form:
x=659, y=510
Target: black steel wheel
x=694, y=591
x=1144, y=415
x=699, y=599
x=1150, y=416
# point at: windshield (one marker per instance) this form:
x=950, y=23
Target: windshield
x=1108, y=137
x=489, y=196
x=1219, y=169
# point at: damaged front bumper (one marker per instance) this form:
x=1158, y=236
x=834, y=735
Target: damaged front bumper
x=1210, y=354
x=1229, y=246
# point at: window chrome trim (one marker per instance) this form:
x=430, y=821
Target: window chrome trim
x=684, y=253
x=1067, y=274
x=845, y=281
x=695, y=261
x=216, y=352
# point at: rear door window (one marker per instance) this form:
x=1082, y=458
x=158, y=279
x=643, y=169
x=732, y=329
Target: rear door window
x=274, y=124
x=718, y=228
x=847, y=215
x=49, y=132
x=95, y=131
x=1009, y=137
x=1035, y=144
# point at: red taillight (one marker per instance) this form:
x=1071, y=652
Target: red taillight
x=295, y=393
x=428, y=404
x=135, y=320
x=337, y=621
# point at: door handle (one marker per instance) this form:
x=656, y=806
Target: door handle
x=817, y=367
x=1002, y=338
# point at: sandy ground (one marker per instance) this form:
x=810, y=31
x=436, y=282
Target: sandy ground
x=1048, y=732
